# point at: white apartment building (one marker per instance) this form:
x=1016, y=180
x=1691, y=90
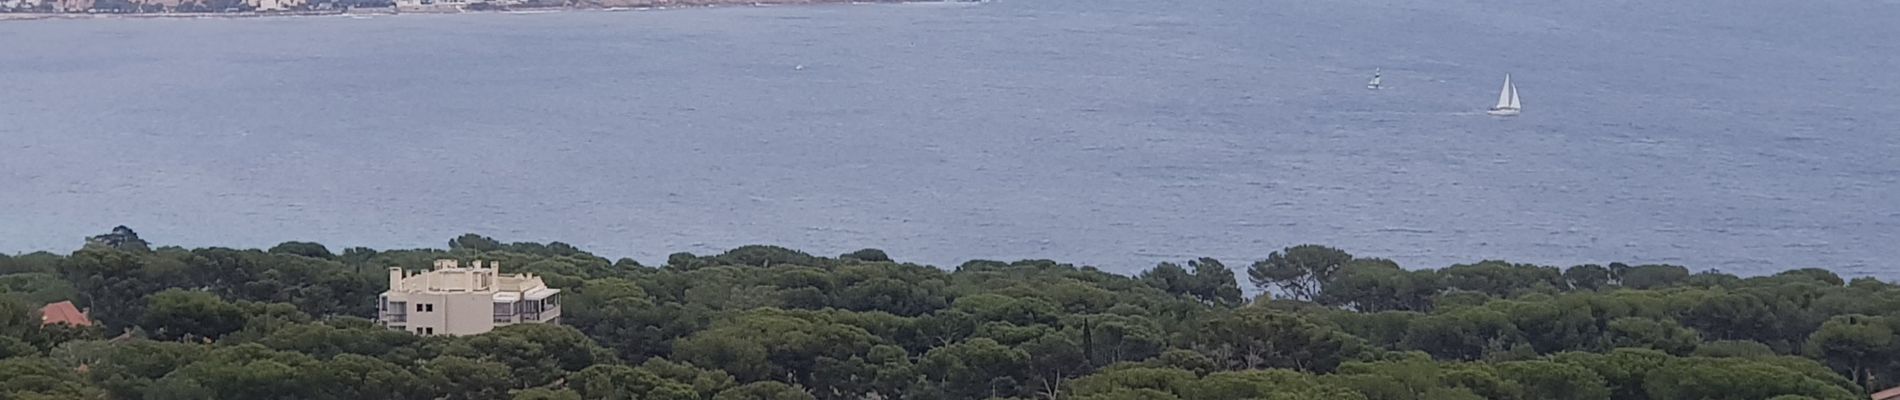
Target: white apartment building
x=453, y=300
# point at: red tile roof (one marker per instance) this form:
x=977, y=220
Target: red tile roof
x=1888, y=394
x=63, y=313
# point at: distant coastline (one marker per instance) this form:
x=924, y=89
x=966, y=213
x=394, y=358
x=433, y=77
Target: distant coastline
x=191, y=15
x=463, y=8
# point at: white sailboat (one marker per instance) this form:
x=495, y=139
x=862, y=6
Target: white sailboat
x=1508, y=104
x=1374, y=83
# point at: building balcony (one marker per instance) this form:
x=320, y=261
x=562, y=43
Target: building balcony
x=545, y=315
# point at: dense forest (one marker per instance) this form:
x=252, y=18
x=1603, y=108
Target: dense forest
x=764, y=322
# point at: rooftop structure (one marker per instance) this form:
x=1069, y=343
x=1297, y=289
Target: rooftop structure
x=455, y=300
x=1889, y=394
x=63, y=313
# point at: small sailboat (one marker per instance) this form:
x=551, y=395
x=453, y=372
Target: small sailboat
x=1374, y=83
x=1508, y=104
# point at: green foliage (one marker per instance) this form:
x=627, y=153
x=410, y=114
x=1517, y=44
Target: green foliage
x=359, y=377
x=1210, y=282
x=612, y=382
x=1587, y=277
x=1665, y=335
x=474, y=242
x=17, y=318
x=871, y=255
x=458, y=378
x=306, y=249
x=1503, y=279
x=765, y=322
x=1652, y=276
x=1380, y=285
x=1733, y=348
x=1856, y=344
x=35, y=262
x=28, y=377
x=979, y=368
x=1255, y=338
x=546, y=394
x=179, y=314
x=37, y=287
x=1816, y=274
x=1555, y=381
x=766, y=390
x=1301, y=271
x=1729, y=378
x=1466, y=334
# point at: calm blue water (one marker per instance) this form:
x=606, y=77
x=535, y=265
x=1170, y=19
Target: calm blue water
x=1744, y=135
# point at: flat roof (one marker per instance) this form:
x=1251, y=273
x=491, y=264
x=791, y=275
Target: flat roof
x=540, y=293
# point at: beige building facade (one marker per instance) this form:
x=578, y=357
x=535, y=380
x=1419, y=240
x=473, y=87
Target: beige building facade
x=455, y=300
x=274, y=5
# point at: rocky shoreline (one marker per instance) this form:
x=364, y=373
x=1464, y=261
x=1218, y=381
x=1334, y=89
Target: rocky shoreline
x=470, y=8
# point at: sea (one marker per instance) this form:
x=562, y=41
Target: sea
x=1746, y=136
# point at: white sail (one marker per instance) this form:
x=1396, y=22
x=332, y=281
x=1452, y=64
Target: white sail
x=1374, y=83
x=1515, y=105
x=1508, y=104
x=1505, y=95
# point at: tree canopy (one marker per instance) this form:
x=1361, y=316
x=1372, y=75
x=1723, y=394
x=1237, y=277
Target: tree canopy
x=767, y=322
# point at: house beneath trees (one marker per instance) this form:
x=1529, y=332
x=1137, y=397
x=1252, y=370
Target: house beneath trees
x=455, y=300
x=64, y=313
x=1889, y=394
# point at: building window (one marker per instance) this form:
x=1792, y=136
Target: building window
x=428, y=307
x=533, y=306
x=428, y=331
x=418, y=307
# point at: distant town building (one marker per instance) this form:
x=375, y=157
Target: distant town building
x=430, y=6
x=76, y=6
x=63, y=313
x=275, y=5
x=456, y=300
x=162, y=4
